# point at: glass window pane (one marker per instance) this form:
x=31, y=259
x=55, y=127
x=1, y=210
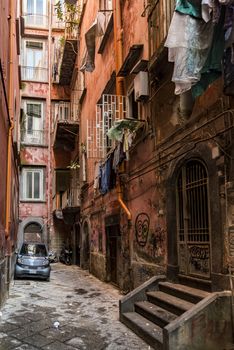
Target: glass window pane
x=109, y=4
x=66, y=113
x=34, y=109
x=36, y=185
x=39, y=7
x=29, y=184
x=30, y=7
x=30, y=125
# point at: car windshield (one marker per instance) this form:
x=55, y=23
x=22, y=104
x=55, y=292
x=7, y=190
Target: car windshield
x=32, y=249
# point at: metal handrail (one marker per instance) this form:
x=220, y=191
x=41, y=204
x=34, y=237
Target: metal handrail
x=35, y=20
x=34, y=73
x=34, y=137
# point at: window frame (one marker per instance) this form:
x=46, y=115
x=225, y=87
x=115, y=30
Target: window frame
x=104, y=5
x=42, y=66
x=30, y=137
x=35, y=14
x=130, y=102
x=33, y=170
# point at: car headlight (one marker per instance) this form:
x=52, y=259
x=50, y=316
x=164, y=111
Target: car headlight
x=45, y=263
x=20, y=260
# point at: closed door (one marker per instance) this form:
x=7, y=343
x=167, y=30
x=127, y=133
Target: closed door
x=113, y=259
x=193, y=224
x=113, y=253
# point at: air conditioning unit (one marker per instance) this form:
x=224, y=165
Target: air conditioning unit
x=141, y=86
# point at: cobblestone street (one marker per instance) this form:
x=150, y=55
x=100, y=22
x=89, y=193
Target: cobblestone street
x=72, y=311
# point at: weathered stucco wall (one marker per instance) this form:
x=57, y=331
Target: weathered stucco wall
x=133, y=24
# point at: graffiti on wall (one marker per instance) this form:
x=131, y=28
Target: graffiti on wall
x=199, y=259
x=149, y=243
x=157, y=240
x=142, y=224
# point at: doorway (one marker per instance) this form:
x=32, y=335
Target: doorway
x=77, y=245
x=193, y=222
x=85, y=251
x=113, y=249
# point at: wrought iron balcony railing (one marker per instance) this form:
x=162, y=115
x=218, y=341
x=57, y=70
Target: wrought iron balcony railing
x=39, y=74
x=35, y=20
x=71, y=198
x=34, y=137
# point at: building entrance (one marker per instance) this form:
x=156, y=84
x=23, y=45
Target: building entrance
x=113, y=244
x=193, y=224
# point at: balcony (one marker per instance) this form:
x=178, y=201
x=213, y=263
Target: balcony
x=159, y=19
x=35, y=20
x=65, y=128
x=69, y=48
x=38, y=74
x=69, y=209
x=71, y=198
x=34, y=137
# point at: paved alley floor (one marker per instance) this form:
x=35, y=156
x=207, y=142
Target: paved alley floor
x=72, y=311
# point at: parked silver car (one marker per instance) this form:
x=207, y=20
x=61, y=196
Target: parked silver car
x=33, y=261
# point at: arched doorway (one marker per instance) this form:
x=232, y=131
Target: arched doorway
x=193, y=222
x=33, y=232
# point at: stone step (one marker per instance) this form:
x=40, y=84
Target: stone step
x=154, y=313
x=190, y=294
x=169, y=302
x=144, y=328
x=195, y=282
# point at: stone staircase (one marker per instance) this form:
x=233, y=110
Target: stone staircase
x=150, y=310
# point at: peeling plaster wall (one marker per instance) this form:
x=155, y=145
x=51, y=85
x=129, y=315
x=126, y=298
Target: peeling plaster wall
x=133, y=24
x=9, y=108
x=96, y=81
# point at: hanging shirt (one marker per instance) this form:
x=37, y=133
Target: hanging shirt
x=188, y=41
x=228, y=56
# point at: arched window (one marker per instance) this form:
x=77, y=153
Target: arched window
x=193, y=228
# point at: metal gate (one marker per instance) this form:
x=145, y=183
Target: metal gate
x=193, y=224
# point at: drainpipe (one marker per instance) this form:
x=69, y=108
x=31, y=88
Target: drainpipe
x=118, y=41
x=49, y=215
x=186, y=104
x=9, y=146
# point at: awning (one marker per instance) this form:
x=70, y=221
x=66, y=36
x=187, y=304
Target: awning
x=130, y=61
x=97, y=29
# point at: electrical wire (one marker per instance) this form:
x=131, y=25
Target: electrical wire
x=152, y=160
x=177, y=156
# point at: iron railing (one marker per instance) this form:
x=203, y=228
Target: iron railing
x=35, y=20
x=34, y=137
x=71, y=198
x=112, y=109
x=39, y=74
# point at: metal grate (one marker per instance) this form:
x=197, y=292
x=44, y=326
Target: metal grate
x=193, y=219
x=113, y=108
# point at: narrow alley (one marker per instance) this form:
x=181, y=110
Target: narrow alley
x=117, y=157
x=73, y=311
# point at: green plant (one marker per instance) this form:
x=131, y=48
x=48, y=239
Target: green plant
x=68, y=13
x=62, y=41
x=74, y=165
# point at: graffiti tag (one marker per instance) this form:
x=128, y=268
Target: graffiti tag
x=142, y=224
